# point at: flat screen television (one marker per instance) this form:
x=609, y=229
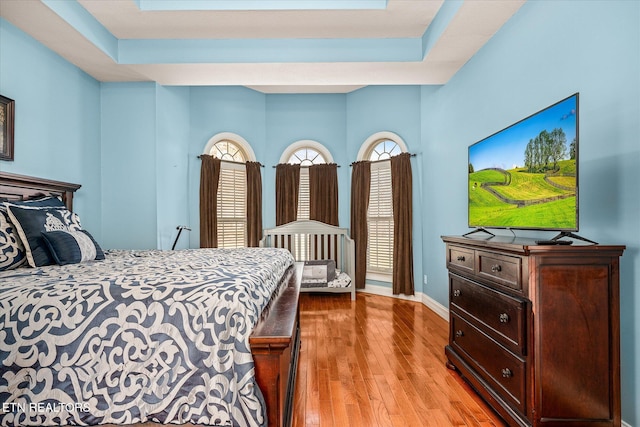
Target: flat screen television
x=526, y=175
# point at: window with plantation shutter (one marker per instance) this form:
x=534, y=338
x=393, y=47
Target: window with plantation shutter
x=380, y=220
x=378, y=149
x=232, y=188
x=232, y=205
x=305, y=153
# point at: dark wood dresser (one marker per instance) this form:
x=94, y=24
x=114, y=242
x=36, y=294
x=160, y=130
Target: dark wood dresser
x=536, y=329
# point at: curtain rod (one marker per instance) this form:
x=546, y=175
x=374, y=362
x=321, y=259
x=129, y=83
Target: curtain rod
x=382, y=160
x=234, y=162
x=307, y=166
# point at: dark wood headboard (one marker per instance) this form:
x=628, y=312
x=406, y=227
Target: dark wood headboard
x=21, y=187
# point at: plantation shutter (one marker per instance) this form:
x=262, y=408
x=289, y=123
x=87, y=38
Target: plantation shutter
x=303, y=194
x=304, y=204
x=380, y=219
x=232, y=196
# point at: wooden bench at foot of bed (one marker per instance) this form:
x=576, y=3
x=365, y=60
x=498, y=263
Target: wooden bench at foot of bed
x=275, y=345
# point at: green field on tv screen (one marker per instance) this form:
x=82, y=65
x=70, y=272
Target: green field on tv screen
x=517, y=198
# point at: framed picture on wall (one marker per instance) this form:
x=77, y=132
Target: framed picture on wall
x=7, y=117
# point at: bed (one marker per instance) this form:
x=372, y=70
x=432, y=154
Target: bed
x=202, y=336
x=317, y=244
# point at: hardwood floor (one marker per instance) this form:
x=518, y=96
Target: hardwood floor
x=378, y=361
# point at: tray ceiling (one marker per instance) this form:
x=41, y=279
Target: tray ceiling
x=274, y=46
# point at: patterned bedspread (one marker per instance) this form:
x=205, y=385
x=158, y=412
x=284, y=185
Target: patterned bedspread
x=141, y=336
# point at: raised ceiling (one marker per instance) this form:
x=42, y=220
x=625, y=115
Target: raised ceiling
x=275, y=46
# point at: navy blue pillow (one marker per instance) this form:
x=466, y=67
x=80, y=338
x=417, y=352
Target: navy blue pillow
x=42, y=202
x=30, y=222
x=72, y=247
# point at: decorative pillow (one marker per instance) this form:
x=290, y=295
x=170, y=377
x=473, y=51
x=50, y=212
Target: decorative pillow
x=41, y=202
x=342, y=280
x=72, y=247
x=30, y=222
x=44, y=201
x=12, y=253
x=319, y=272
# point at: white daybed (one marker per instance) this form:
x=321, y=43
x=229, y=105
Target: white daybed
x=312, y=240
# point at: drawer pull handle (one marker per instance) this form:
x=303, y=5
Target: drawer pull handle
x=496, y=268
x=459, y=334
x=460, y=258
x=506, y=373
x=504, y=318
x=457, y=293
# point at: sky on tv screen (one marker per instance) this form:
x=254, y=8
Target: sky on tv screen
x=506, y=148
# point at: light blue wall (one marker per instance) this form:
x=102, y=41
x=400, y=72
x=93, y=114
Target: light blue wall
x=145, y=136
x=172, y=165
x=57, y=119
x=546, y=52
x=321, y=118
x=129, y=181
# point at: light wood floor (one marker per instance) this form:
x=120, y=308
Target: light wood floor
x=378, y=361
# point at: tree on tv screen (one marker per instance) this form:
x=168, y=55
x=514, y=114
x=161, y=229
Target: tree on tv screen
x=545, y=151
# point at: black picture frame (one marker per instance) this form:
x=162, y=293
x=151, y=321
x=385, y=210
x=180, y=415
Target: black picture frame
x=7, y=122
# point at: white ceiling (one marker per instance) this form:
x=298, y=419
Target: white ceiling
x=273, y=51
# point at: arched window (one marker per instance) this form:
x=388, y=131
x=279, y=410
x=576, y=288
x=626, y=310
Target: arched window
x=383, y=149
x=228, y=150
x=306, y=157
x=234, y=151
x=305, y=153
x=377, y=148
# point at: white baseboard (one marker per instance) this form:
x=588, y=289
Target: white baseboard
x=625, y=424
x=429, y=302
x=436, y=307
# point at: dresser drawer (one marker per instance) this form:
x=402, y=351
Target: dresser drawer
x=503, y=370
x=501, y=316
x=460, y=258
x=504, y=270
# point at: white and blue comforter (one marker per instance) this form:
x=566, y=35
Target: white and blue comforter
x=141, y=336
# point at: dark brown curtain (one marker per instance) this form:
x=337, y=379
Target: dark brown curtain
x=209, y=178
x=402, y=191
x=254, y=204
x=323, y=193
x=287, y=185
x=360, y=189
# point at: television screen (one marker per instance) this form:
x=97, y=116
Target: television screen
x=526, y=175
